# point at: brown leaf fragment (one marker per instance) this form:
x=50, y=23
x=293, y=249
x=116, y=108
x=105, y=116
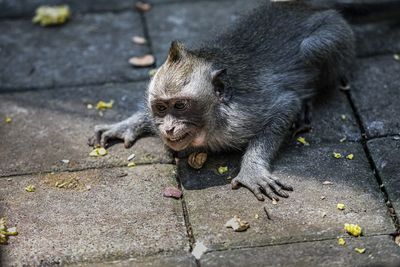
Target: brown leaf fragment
x=142, y=61
x=142, y=6
x=139, y=40
x=172, y=192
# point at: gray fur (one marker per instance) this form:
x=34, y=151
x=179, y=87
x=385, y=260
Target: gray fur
x=276, y=58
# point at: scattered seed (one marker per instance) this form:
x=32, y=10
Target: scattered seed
x=142, y=6
x=65, y=161
x=343, y=139
x=142, y=61
x=256, y=216
x=396, y=57
x=323, y=197
x=131, y=157
x=274, y=201
x=343, y=117
x=139, y=40
x=327, y=183
x=89, y=106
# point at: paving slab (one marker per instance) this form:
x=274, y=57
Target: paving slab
x=304, y=215
x=380, y=251
x=375, y=92
x=176, y=260
x=186, y=21
x=385, y=153
x=92, y=48
x=119, y=217
x=51, y=125
x=19, y=8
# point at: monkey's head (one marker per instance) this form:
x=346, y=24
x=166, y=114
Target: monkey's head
x=182, y=97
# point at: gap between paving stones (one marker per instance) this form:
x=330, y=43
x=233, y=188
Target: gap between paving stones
x=372, y=164
x=288, y=243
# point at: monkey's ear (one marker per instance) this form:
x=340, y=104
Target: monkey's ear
x=176, y=51
x=221, y=87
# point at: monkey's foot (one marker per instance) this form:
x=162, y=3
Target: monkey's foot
x=196, y=160
x=104, y=133
x=262, y=185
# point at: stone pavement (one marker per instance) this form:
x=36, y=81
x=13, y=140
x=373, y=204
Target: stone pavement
x=116, y=216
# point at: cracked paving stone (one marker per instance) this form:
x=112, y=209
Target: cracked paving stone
x=51, y=125
x=92, y=48
x=118, y=218
x=375, y=92
x=385, y=153
x=380, y=251
x=18, y=8
x=304, y=216
x=186, y=22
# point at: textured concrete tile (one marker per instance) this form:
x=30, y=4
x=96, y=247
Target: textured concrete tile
x=91, y=48
x=191, y=22
x=304, y=215
x=385, y=153
x=119, y=217
x=377, y=38
x=178, y=260
x=51, y=125
x=380, y=251
x=375, y=92
x=17, y=8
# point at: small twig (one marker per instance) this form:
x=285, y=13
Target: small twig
x=266, y=213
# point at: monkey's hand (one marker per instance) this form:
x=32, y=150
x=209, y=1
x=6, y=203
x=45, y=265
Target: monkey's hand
x=261, y=182
x=127, y=130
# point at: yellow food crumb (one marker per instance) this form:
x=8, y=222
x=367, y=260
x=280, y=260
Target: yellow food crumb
x=30, y=188
x=8, y=119
x=52, y=15
x=303, y=141
x=98, y=152
x=350, y=156
x=337, y=155
x=131, y=164
x=4, y=232
x=222, y=169
x=101, y=105
x=341, y=241
x=360, y=250
x=340, y=206
x=353, y=229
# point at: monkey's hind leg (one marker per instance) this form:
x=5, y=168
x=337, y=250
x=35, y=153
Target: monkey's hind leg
x=303, y=123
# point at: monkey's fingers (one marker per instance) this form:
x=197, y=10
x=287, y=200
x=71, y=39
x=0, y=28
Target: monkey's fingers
x=129, y=139
x=254, y=188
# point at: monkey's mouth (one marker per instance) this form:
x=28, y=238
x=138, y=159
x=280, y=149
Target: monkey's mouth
x=178, y=142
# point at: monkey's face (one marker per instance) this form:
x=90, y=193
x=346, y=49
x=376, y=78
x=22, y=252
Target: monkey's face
x=179, y=122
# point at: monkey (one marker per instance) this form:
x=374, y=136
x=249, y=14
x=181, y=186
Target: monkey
x=243, y=89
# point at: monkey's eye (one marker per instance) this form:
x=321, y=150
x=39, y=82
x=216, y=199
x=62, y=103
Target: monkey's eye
x=180, y=105
x=161, y=107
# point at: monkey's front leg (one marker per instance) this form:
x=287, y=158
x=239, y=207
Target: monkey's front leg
x=128, y=130
x=255, y=172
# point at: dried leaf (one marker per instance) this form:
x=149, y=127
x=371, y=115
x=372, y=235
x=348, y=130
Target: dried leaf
x=143, y=61
x=353, y=229
x=139, y=40
x=197, y=160
x=237, y=225
x=52, y=15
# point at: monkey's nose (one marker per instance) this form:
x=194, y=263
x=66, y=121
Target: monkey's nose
x=170, y=131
